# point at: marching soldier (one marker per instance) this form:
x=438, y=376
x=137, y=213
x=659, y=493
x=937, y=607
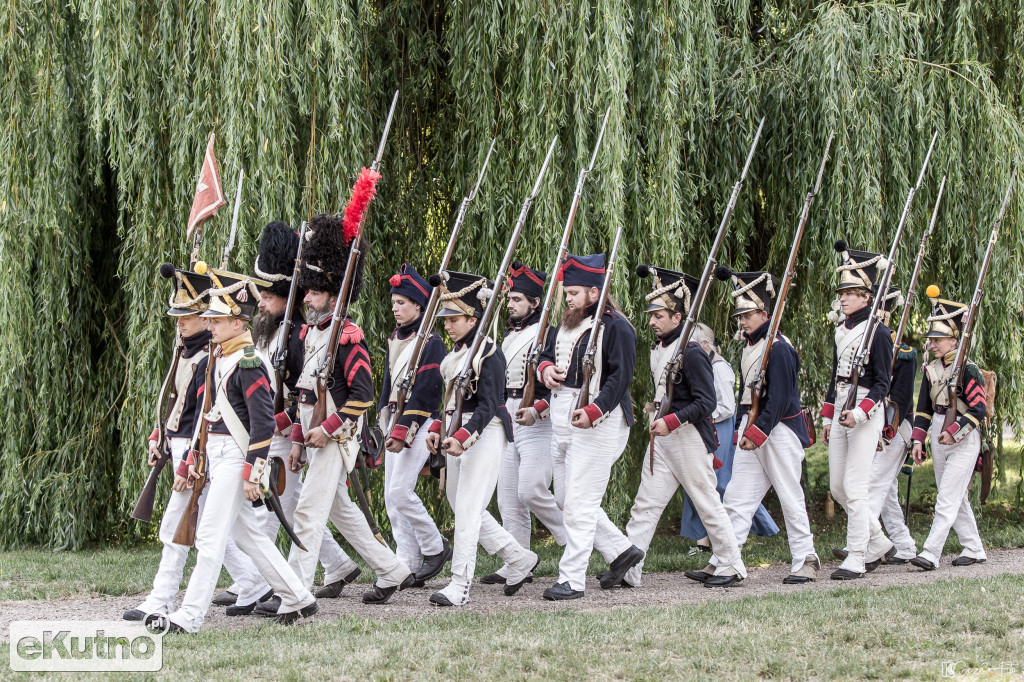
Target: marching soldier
x=770, y=451
x=240, y=428
x=420, y=544
x=350, y=392
x=883, y=489
x=684, y=440
x=524, y=481
x=474, y=450
x=589, y=439
x=187, y=302
x=853, y=439
x=955, y=449
x=275, y=264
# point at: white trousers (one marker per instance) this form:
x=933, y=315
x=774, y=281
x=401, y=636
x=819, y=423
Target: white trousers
x=851, y=452
x=883, y=494
x=416, y=534
x=954, y=470
x=776, y=464
x=524, y=482
x=471, y=480
x=228, y=513
x=682, y=459
x=582, y=460
x=249, y=583
x=325, y=494
x=336, y=562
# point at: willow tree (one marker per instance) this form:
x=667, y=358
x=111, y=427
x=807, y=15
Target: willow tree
x=107, y=107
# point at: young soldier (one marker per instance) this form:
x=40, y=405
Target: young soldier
x=883, y=495
x=524, y=481
x=684, y=439
x=474, y=450
x=239, y=430
x=771, y=450
x=420, y=544
x=853, y=439
x=588, y=440
x=350, y=391
x=276, y=264
x=956, y=448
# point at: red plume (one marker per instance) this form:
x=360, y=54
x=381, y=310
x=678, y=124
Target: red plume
x=363, y=192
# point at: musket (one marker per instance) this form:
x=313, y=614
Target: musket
x=881, y=288
x=756, y=384
x=323, y=373
x=957, y=371
x=234, y=222
x=279, y=358
x=460, y=385
x=590, y=354
x=533, y=355
x=430, y=313
x=675, y=365
x=143, y=510
x=186, y=533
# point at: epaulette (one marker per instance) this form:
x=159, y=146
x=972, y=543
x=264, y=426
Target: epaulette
x=906, y=352
x=350, y=334
x=249, y=358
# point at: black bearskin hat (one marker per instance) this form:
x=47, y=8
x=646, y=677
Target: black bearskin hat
x=276, y=259
x=325, y=256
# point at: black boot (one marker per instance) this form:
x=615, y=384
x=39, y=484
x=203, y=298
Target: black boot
x=434, y=564
x=620, y=566
x=292, y=616
x=333, y=590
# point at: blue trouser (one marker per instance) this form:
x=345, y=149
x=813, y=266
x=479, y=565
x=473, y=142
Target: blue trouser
x=690, y=525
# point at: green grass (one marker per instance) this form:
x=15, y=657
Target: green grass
x=894, y=633
x=42, y=574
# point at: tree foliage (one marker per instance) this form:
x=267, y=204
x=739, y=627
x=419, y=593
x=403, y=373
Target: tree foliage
x=107, y=105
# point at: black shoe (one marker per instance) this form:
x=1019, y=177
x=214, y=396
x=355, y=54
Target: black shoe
x=134, y=615
x=723, y=580
x=796, y=580
x=418, y=583
x=434, y=564
x=845, y=574
x=561, y=592
x=620, y=566
x=292, y=616
x=622, y=583
x=225, y=598
x=269, y=607
x=381, y=595
x=333, y=590
x=921, y=562
x=511, y=589
x=236, y=610
x=840, y=554
x=155, y=622
x=872, y=565
x=496, y=579
x=967, y=561
x=699, y=576
x=869, y=566
x=440, y=600
x=895, y=561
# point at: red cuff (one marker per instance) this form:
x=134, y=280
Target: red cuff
x=953, y=428
x=191, y=459
x=866, y=405
x=332, y=423
x=297, y=436
x=828, y=410
x=283, y=422
x=435, y=427
x=541, y=406
x=918, y=435
x=246, y=470
x=400, y=432
x=155, y=435
x=756, y=435
x=672, y=422
x=717, y=464
x=462, y=435
x=593, y=412
x=182, y=469
x=543, y=366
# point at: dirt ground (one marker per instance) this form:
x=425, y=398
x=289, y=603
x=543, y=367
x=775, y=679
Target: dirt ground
x=658, y=589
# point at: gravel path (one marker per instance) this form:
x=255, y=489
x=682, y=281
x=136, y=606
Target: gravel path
x=659, y=589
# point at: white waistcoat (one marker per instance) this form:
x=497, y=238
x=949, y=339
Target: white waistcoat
x=221, y=408
x=183, y=376
x=516, y=346
x=565, y=345
x=847, y=342
x=937, y=375
x=660, y=357
x=315, y=348
x=399, y=357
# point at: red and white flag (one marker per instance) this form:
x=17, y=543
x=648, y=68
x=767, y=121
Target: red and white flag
x=209, y=193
